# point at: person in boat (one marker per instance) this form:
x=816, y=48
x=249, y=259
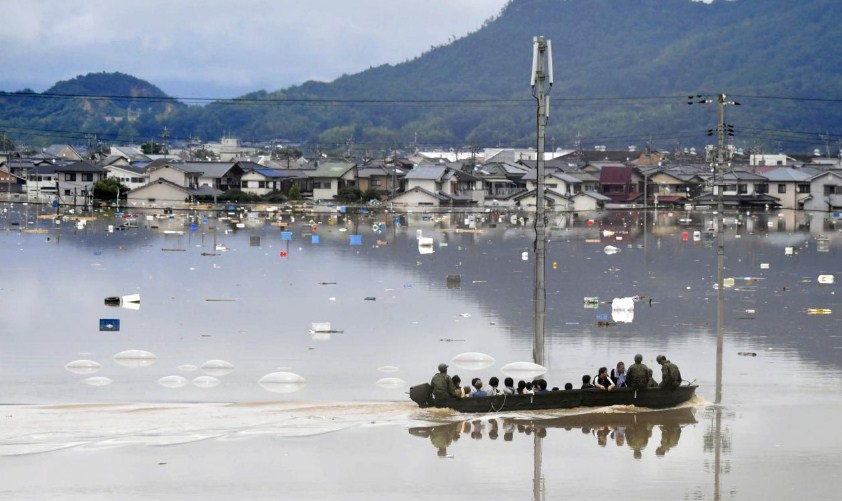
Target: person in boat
x=637, y=375
x=603, y=380
x=586, y=382
x=521, y=387
x=530, y=388
x=670, y=375
x=568, y=386
x=619, y=375
x=443, y=386
x=492, y=388
x=478, y=391
x=652, y=382
x=509, y=386
x=539, y=386
x=457, y=381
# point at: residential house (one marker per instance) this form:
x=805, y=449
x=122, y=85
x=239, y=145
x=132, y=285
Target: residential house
x=129, y=176
x=63, y=151
x=553, y=200
x=332, y=175
x=77, y=179
x=262, y=181
x=419, y=197
x=171, y=184
x=740, y=189
x=557, y=181
x=502, y=180
x=587, y=201
x=825, y=192
x=615, y=182
x=790, y=187
x=385, y=180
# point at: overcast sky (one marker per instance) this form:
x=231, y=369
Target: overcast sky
x=222, y=48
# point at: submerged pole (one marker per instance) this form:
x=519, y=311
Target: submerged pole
x=541, y=77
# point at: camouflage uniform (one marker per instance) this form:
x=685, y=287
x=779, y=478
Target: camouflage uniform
x=670, y=375
x=443, y=387
x=637, y=375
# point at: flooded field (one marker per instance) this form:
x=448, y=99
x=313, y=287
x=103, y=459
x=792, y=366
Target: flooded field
x=270, y=359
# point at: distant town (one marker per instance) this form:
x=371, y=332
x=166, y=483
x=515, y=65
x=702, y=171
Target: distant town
x=575, y=180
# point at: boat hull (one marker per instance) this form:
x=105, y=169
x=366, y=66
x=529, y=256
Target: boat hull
x=653, y=398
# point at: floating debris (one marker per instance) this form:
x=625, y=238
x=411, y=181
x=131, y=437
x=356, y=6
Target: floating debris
x=130, y=301
x=747, y=354
x=187, y=367
x=826, y=279
x=388, y=368
x=473, y=360
x=819, y=311
x=98, y=381
x=135, y=358
x=218, y=300
x=173, y=381
x=450, y=340
x=322, y=327
x=83, y=366
x=370, y=298
x=282, y=382
x=173, y=250
x=109, y=324
x=610, y=249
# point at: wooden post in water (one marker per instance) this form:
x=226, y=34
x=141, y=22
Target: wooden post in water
x=540, y=79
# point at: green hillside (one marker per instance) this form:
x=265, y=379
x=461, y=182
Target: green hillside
x=623, y=69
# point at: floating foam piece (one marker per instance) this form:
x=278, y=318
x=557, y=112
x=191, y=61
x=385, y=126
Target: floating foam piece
x=764, y=266
x=206, y=382
x=83, y=366
x=388, y=368
x=135, y=358
x=473, y=361
x=98, y=381
x=523, y=370
x=826, y=279
x=391, y=383
x=217, y=367
x=282, y=382
x=610, y=249
x=173, y=381
x=187, y=367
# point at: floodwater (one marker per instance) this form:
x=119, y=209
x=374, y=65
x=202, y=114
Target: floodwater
x=273, y=363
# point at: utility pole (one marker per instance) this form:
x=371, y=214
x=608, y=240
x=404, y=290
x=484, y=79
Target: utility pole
x=165, y=135
x=720, y=158
x=541, y=82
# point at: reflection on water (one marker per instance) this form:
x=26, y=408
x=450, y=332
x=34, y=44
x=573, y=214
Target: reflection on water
x=632, y=430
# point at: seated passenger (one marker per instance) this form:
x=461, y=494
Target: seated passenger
x=586, y=382
x=457, y=381
x=652, y=382
x=492, y=389
x=540, y=385
x=478, y=391
x=509, y=386
x=521, y=387
x=529, y=390
x=568, y=386
x=603, y=381
x=619, y=375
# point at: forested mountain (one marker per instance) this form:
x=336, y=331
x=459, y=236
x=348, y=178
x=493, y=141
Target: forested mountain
x=623, y=69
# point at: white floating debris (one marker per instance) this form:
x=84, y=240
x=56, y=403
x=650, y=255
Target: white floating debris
x=98, y=381
x=173, y=381
x=727, y=282
x=206, y=382
x=523, y=370
x=83, y=367
x=282, y=382
x=622, y=309
x=788, y=251
x=764, y=266
x=217, y=367
x=135, y=358
x=187, y=367
x=610, y=249
x=826, y=279
x=388, y=368
x=524, y=256
x=320, y=327
x=391, y=383
x=465, y=315
x=473, y=361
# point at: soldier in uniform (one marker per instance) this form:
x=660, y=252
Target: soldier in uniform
x=637, y=375
x=670, y=375
x=443, y=386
